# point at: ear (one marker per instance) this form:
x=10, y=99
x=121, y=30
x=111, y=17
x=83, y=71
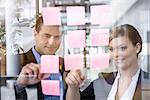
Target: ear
x=35, y=33
x=138, y=47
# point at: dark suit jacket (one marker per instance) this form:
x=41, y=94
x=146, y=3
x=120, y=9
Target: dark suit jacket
x=88, y=93
x=25, y=59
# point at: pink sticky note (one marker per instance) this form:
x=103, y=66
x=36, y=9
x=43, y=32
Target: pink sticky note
x=100, y=14
x=73, y=61
x=50, y=64
x=51, y=16
x=99, y=37
x=76, y=39
x=75, y=15
x=50, y=87
x=99, y=61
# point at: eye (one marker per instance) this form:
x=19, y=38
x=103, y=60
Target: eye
x=123, y=48
x=111, y=49
x=46, y=36
x=57, y=37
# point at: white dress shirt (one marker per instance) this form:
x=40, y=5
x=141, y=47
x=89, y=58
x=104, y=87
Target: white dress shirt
x=129, y=92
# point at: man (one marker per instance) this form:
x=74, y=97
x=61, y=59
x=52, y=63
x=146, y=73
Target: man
x=48, y=39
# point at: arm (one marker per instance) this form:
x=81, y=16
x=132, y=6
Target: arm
x=20, y=93
x=73, y=80
x=29, y=75
x=73, y=93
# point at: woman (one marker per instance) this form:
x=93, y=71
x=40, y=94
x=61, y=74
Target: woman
x=125, y=45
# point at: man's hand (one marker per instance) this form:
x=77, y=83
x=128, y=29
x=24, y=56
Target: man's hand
x=30, y=74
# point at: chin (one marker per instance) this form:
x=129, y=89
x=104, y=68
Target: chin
x=123, y=67
x=49, y=53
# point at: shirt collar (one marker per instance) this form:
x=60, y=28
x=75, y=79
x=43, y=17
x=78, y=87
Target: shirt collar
x=36, y=55
x=136, y=75
x=133, y=77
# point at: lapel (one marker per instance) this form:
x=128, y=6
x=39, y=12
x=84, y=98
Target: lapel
x=27, y=57
x=138, y=93
x=109, y=77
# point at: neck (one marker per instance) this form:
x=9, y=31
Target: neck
x=37, y=50
x=129, y=72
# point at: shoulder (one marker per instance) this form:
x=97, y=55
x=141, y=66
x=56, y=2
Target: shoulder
x=27, y=57
x=109, y=77
x=27, y=53
x=143, y=78
x=143, y=74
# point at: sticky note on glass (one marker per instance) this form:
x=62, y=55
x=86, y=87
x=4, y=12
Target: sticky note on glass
x=99, y=61
x=49, y=64
x=99, y=37
x=51, y=87
x=100, y=14
x=51, y=16
x=76, y=39
x=75, y=15
x=74, y=61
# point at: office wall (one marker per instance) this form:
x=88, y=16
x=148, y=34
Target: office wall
x=139, y=16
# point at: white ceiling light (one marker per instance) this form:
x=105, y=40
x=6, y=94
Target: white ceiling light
x=100, y=1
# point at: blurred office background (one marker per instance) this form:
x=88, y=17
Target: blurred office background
x=16, y=32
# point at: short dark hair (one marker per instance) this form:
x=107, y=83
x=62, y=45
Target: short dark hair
x=127, y=30
x=39, y=23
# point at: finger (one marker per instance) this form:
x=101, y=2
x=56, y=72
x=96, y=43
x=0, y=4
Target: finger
x=43, y=76
x=68, y=81
x=72, y=78
x=77, y=77
x=82, y=77
x=46, y=75
x=40, y=75
x=35, y=69
x=27, y=72
x=35, y=65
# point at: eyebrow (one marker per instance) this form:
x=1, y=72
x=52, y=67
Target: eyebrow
x=119, y=45
x=52, y=35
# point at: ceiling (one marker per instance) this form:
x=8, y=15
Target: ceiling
x=119, y=6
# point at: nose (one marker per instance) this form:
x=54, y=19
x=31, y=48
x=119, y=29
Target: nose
x=51, y=40
x=115, y=54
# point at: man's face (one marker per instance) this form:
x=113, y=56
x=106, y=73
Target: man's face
x=48, y=40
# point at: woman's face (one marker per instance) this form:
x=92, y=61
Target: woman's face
x=122, y=52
